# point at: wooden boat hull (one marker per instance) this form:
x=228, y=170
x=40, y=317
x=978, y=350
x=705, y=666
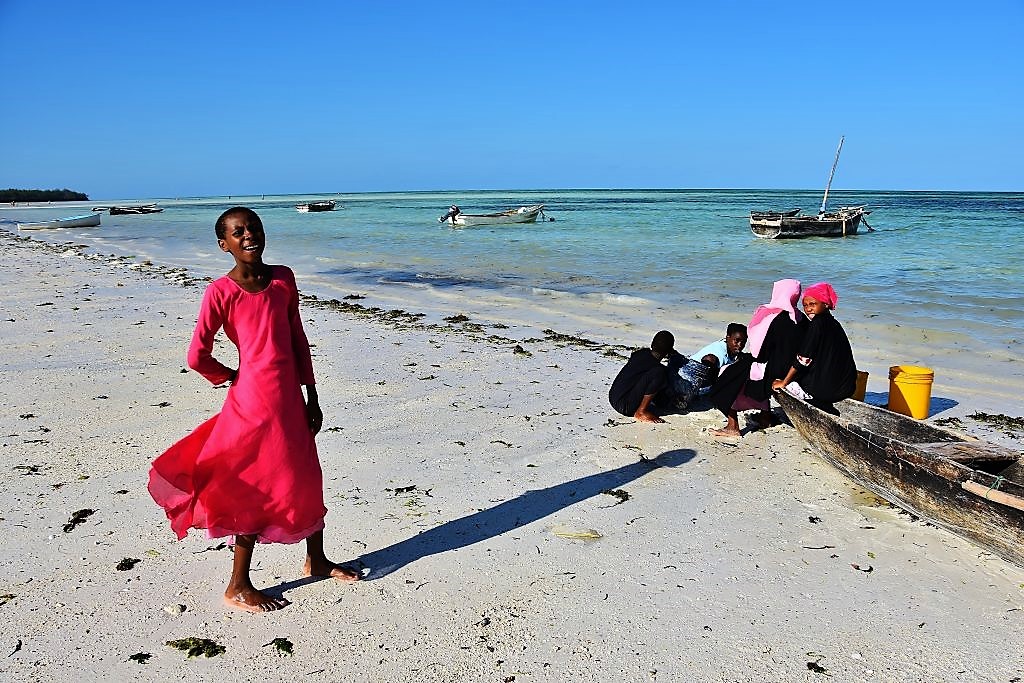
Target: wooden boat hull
x=87, y=221
x=922, y=469
x=524, y=214
x=770, y=225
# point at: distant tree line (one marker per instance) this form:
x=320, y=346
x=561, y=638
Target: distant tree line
x=65, y=195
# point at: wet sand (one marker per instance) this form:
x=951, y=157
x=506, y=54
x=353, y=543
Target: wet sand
x=471, y=469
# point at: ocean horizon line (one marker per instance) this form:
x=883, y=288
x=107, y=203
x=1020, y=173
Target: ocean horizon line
x=663, y=190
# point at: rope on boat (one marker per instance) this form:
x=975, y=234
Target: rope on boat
x=865, y=222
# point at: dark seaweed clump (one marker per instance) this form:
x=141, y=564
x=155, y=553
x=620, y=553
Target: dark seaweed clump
x=197, y=647
x=77, y=518
x=282, y=646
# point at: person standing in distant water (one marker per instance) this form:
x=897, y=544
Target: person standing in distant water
x=824, y=372
x=251, y=471
x=774, y=332
x=643, y=377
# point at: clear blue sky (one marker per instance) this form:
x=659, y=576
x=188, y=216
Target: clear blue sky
x=139, y=99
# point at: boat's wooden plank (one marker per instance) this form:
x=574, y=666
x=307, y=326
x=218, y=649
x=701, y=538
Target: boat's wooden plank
x=971, y=451
x=993, y=494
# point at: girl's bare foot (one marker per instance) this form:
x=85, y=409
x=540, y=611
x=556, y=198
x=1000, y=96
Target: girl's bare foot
x=726, y=433
x=331, y=570
x=248, y=599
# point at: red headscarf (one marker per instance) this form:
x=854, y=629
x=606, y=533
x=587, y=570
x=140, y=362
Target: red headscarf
x=824, y=293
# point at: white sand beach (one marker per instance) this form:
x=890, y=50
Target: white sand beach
x=472, y=480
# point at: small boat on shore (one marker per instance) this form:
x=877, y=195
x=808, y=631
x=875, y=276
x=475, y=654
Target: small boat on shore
x=970, y=487
x=136, y=209
x=315, y=207
x=89, y=220
x=524, y=214
x=842, y=222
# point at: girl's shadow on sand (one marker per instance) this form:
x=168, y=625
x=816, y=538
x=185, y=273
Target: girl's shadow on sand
x=512, y=514
x=494, y=521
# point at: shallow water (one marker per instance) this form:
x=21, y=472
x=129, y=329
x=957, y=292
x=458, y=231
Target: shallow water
x=941, y=261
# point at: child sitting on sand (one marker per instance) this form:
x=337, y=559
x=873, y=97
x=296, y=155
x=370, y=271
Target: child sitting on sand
x=824, y=372
x=723, y=352
x=697, y=374
x=251, y=471
x=642, y=378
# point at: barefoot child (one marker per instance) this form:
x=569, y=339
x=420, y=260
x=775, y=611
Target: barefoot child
x=642, y=378
x=252, y=471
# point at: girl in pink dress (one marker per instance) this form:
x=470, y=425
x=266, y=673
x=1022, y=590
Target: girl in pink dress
x=252, y=471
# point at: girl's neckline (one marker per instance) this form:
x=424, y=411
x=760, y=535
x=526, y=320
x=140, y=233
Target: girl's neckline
x=270, y=281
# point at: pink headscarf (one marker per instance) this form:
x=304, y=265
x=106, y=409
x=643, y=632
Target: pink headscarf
x=824, y=293
x=785, y=295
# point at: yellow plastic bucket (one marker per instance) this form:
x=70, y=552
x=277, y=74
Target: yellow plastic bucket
x=910, y=390
x=862, y=386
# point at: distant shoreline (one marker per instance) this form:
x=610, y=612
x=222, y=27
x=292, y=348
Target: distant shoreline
x=298, y=195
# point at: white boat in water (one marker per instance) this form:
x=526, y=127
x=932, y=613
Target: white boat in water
x=524, y=214
x=89, y=220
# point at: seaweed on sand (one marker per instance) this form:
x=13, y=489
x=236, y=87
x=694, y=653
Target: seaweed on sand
x=196, y=647
x=77, y=518
x=1008, y=425
x=282, y=646
x=623, y=496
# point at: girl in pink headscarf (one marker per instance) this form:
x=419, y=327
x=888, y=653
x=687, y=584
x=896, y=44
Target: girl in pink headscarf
x=824, y=371
x=775, y=332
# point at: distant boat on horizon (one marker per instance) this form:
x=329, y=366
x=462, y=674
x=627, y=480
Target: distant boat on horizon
x=135, y=209
x=316, y=207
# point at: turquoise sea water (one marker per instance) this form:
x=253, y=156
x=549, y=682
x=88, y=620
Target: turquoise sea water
x=937, y=260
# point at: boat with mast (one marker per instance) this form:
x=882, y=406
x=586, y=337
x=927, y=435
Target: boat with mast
x=842, y=222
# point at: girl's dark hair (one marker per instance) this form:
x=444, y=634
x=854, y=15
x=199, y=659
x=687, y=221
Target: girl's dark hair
x=733, y=328
x=221, y=226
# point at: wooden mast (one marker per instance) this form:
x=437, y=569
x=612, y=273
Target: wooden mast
x=829, y=186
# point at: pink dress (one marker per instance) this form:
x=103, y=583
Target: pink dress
x=253, y=468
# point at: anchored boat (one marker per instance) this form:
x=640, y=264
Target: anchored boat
x=785, y=224
x=315, y=207
x=136, y=209
x=89, y=220
x=524, y=214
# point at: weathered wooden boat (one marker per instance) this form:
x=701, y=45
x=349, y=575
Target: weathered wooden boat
x=842, y=222
x=971, y=487
x=524, y=214
x=135, y=209
x=314, y=207
x=89, y=220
